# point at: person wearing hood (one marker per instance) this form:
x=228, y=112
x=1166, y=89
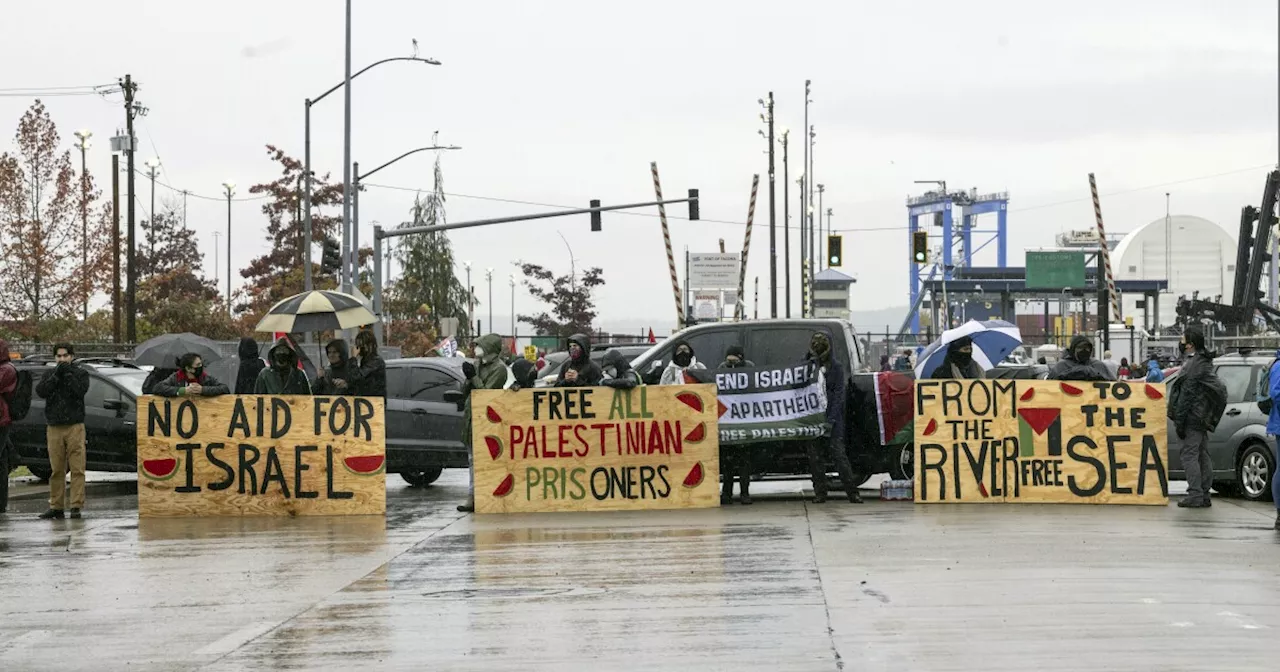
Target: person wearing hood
x=735, y=357
x=8, y=385
x=340, y=376
x=618, y=371
x=1273, y=426
x=191, y=380
x=1155, y=374
x=251, y=365
x=488, y=373
x=282, y=375
x=370, y=373
x=835, y=383
x=736, y=460
x=580, y=371
x=158, y=375
x=681, y=359
x=1077, y=363
x=525, y=373
x=959, y=362
x=1189, y=408
x=304, y=360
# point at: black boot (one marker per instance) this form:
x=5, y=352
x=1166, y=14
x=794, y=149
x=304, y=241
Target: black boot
x=854, y=497
x=1278, y=520
x=53, y=514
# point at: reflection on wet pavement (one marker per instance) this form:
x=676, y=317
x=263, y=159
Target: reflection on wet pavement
x=782, y=585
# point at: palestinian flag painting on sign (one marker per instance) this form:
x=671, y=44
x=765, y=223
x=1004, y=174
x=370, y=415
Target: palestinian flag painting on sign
x=1037, y=428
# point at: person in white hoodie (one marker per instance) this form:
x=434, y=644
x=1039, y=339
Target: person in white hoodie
x=681, y=360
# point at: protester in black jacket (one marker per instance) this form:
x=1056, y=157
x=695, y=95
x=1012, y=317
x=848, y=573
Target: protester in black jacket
x=191, y=380
x=620, y=374
x=63, y=388
x=1189, y=408
x=158, y=375
x=959, y=361
x=342, y=373
x=580, y=371
x=736, y=460
x=370, y=376
x=1078, y=363
x=525, y=373
x=251, y=365
x=836, y=387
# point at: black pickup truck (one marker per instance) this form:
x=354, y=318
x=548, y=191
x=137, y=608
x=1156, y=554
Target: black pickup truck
x=779, y=343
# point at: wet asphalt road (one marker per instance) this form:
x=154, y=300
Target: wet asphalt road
x=781, y=585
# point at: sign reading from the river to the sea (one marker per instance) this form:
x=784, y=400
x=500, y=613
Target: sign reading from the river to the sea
x=783, y=403
x=595, y=448
x=261, y=455
x=1040, y=441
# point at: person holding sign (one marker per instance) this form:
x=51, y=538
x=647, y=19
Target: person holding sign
x=191, y=380
x=338, y=379
x=580, y=371
x=63, y=388
x=491, y=374
x=736, y=459
x=959, y=362
x=836, y=387
x=282, y=375
x=681, y=360
x=1078, y=363
x=620, y=374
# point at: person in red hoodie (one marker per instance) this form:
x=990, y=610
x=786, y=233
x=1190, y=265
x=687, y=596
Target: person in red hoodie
x=8, y=383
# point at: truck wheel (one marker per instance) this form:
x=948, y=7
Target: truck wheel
x=422, y=477
x=1254, y=472
x=903, y=466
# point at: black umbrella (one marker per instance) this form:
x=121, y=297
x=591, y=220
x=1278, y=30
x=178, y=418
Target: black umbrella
x=162, y=350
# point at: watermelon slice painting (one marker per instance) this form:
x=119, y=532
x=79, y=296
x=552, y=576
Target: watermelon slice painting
x=364, y=465
x=161, y=469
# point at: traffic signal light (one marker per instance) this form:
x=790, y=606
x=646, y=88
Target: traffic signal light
x=693, y=205
x=595, y=216
x=920, y=247
x=835, y=250
x=330, y=256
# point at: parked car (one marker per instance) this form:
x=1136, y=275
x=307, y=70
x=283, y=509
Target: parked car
x=779, y=343
x=1242, y=452
x=423, y=430
x=1019, y=372
x=110, y=422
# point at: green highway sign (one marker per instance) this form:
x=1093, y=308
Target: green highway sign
x=1055, y=270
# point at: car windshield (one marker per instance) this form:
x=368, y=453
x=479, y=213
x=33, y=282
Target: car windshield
x=130, y=380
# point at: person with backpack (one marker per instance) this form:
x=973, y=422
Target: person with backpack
x=1273, y=425
x=63, y=388
x=1196, y=404
x=8, y=388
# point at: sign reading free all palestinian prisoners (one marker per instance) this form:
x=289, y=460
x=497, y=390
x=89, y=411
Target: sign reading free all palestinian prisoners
x=768, y=404
x=1041, y=441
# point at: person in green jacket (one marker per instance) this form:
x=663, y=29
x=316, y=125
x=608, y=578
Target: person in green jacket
x=282, y=375
x=488, y=373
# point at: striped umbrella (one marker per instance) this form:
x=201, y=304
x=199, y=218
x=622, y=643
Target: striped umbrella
x=993, y=340
x=320, y=310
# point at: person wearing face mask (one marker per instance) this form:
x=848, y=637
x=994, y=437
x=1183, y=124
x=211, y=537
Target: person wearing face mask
x=681, y=360
x=1196, y=404
x=580, y=371
x=959, y=361
x=736, y=460
x=1078, y=363
x=735, y=357
x=835, y=384
x=250, y=366
x=487, y=373
x=618, y=372
x=282, y=375
x=191, y=380
x=342, y=373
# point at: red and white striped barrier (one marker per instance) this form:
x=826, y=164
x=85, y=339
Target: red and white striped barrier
x=1106, y=254
x=739, y=308
x=666, y=239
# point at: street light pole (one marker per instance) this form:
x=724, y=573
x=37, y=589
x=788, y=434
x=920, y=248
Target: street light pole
x=231, y=190
x=786, y=224
x=804, y=245
x=773, y=216
x=471, y=320
x=83, y=145
x=513, y=309
x=821, y=240
x=355, y=197
x=216, y=247
x=345, y=274
x=488, y=275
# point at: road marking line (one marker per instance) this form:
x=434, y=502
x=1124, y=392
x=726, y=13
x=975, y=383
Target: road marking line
x=1240, y=621
x=24, y=640
x=236, y=639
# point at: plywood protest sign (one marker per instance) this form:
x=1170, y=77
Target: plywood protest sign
x=595, y=449
x=261, y=455
x=768, y=404
x=1040, y=441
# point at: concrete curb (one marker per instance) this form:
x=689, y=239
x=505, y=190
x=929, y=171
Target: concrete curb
x=24, y=492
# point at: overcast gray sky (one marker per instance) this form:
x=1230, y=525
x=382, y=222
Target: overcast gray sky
x=562, y=102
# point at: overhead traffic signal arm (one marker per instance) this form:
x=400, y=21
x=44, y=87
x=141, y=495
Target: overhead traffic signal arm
x=595, y=208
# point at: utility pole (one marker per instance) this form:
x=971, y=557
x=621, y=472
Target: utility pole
x=115, y=246
x=813, y=257
x=83, y=145
x=513, y=307
x=345, y=275
x=231, y=191
x=131, y=272
x=821, y=239
x=804, y=215
x=829, y=234
x=216, y=246
x=488, y=275
x=773, y=216
x=786, y=224
x=153, y=168
x=185, y=193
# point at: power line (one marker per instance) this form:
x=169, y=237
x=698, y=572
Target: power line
x=56, y=88
x=192, y=194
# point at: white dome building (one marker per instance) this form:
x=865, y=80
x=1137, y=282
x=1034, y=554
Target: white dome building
x=1193, y=253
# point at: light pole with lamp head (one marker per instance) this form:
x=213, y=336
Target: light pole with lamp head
x=355, y=199
x=231, y=191
x=471, y=320
x=83, y=145
x=488, y=275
